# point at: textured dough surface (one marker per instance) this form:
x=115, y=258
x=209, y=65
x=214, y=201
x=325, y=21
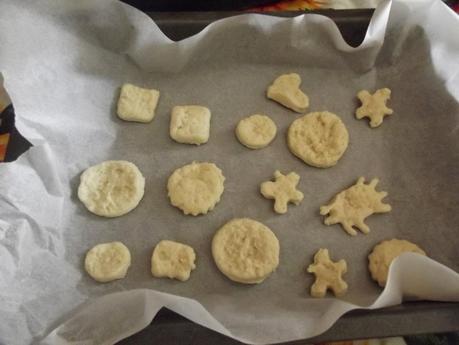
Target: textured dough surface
x=328, y=275
x=172, y=260
x=351, y=206
x=111, y=188
x=196, y=188
x=319, y=139
x=246, y=251
x=286, y=91
x=190, y=124
x=384, y=253
x=108, y=261
x=282, y=190
x=374, y=106
x=256, y=131
x=137, y=104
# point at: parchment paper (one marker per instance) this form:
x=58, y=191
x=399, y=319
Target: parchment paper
x=63, y=63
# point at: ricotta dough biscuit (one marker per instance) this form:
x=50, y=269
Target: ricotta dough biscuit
x=245, y=250
x=286, y=91
x=328, y=275
x=108, y=261
x=374, y=106
x=319, y=139
x=190, y=124
x=283, y=190
x=137, y=104
x=384, y=253
x=256, y=131
x=351, y=206
x=172, y=260
x=196, y=188
x=111, y=188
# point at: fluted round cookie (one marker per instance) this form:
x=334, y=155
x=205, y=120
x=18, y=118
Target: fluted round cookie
x=256, y=131
x=384, y=253
x=246, y=251
x=108, y=261
x=111, y=188
x=196, y=188
x=319, y=139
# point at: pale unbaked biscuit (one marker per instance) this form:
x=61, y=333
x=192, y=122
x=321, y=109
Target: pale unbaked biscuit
x=351, y=206
x=256, y=131
x=111, y=188
x=196, y=188
x=319, y=139
x=190, y=124
x=283, y=190
x=245, y=251
x=172, y=260
x=137, y=104
x=328, y=275
x=286, y=91
x=374, y=106
x=384, y=253
x=108, y=261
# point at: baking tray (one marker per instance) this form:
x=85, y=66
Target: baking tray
x=406, y=319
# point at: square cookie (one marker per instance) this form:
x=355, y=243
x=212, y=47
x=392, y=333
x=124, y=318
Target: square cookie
x=190, y=124
x=137, y=104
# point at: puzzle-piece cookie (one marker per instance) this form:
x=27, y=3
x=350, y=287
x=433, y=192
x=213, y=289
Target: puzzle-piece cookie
x=328, y=275
x=351, y=206
x=374, y=106
x=283, y=190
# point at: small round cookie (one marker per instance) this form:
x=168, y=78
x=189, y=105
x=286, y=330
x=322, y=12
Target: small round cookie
x=256, y=131
x=319, y=139
x=196, y=188
x=108, y=261
x=245, y=250
x=111, y=188
x=384, y=253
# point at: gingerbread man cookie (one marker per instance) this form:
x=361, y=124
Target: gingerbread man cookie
x=328, y=275
x=351, y=206
x=374, y=106
x=283, y=190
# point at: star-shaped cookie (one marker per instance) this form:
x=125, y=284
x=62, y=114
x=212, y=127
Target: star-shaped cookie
x=283, y=190
x=351, y=206
x=328, y=275
x=374, y=106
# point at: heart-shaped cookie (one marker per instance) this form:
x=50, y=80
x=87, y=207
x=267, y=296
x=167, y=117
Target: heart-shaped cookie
x=286, y=91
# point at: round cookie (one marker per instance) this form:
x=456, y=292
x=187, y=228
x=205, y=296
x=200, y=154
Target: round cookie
x=384, y=253
x=196, y=188
x=111, y=188
x=256, y=131
x=108, y=261
x=319, y=139
x=245, y=250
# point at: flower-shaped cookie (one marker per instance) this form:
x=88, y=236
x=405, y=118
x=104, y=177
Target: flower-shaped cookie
x=374, y=106
x=283, y=190
x=351, y=206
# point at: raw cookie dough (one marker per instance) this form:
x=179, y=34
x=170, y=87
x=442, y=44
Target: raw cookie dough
x=374, y=106
x=245, y=251
x=190, y=124
x=196, y=188
x=319, y=139
x=256, y=131
x=283, y=190
x=172, y=260
x=328, y=275
x=286, y=91
x=384, y=253
x=108, y=261
x=111, y=188
x=137, y=104
x=351, y=206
